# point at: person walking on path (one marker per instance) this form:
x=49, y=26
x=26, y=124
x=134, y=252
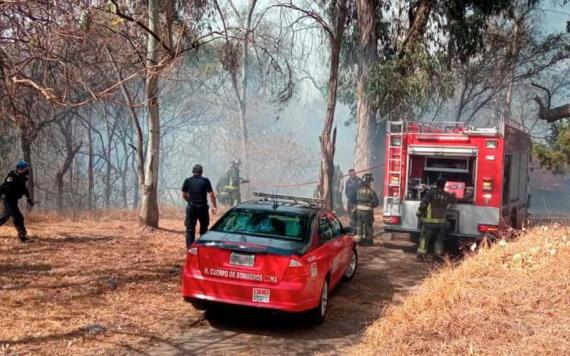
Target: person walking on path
x=195, y=191
x=11, y=191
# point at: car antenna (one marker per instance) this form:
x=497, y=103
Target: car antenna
x=275, y=204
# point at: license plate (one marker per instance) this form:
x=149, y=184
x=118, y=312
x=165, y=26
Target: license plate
x=261, y=295
x=240, y=259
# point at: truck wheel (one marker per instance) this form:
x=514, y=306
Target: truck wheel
x=514, y=220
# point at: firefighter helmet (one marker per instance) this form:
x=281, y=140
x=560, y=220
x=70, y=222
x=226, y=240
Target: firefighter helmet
x=440, y=183
x=367, y=178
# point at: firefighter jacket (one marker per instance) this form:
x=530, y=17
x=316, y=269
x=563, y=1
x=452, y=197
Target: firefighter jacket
x=366, y=199
x=233, y=180
x=14, y=187
x=433, y=208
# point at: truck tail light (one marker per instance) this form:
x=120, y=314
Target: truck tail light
x=392, y=220
x=296, y=270
x=484, y=228
x=487, y=185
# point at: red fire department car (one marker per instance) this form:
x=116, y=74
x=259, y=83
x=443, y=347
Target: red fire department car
x=487, y=169
x=278, y=252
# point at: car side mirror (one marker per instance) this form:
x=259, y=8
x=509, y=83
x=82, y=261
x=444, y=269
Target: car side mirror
x=349, y=230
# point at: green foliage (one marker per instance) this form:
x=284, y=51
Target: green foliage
x=465, y=21
x=555, y=155
x=403, y=84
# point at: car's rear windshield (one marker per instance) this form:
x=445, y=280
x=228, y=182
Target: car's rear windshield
x=264, y=223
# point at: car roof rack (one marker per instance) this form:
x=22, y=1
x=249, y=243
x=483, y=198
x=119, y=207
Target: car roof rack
x=276, y=198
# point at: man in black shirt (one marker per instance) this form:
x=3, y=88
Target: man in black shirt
x=195, y=191
x=14, y=188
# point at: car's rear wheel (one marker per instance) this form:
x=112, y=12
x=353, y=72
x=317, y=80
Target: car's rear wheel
x=197, y=303
x=318, y=314
x=352, y=266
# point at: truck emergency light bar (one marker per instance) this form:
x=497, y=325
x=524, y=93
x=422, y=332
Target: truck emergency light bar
x=290, y=198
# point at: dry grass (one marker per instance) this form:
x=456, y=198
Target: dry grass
x=91, y=269
x=513, y=298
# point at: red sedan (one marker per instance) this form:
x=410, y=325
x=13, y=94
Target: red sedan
x=282, y=253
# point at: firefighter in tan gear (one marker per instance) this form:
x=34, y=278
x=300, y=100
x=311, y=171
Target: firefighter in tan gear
x=228, y=186
x=433, y=212
x=366, y=201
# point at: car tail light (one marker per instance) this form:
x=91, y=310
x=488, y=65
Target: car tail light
x=484, y=228
x=193, y=251
x=296, y=270
x=487, y=185
x=392, y=220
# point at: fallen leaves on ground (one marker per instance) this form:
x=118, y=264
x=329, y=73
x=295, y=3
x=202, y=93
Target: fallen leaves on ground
x=91, y=282
x=511, y=298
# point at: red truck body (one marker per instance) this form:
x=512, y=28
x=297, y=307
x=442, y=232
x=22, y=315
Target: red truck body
x=487, y=169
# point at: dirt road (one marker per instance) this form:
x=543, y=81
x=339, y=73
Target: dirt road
x=386, y=273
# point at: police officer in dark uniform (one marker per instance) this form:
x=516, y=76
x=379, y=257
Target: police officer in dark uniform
x=366, y=201
x=195, y=191
x=12, y=190
x=433, y=215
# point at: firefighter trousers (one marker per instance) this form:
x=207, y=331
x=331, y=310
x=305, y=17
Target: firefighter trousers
x=195, y=213
x=234, y=197
x=351, y=209
x=364, y=225
x=435, y=233
x=12, y=210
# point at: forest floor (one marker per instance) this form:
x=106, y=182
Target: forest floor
x=101, y=284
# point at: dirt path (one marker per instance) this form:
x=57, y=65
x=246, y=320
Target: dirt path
x=386, y=273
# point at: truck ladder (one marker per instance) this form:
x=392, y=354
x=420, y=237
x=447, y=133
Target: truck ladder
x=394, y=168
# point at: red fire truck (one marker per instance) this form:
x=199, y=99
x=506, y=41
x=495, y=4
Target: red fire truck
x=487, y=169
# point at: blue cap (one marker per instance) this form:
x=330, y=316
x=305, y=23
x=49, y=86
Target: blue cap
x=22, y=164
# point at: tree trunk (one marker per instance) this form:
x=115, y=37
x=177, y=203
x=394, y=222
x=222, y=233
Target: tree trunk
x=59, y=190
x=125, y=175
x=243, y=96
x=26, y=144
x=70, y=152
x=90, y=175
x=136, y=188
x=149, y=214
x=420, y=13
x=367, y=152
x=327, y=142
x=513, y=59
x=108, y=186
